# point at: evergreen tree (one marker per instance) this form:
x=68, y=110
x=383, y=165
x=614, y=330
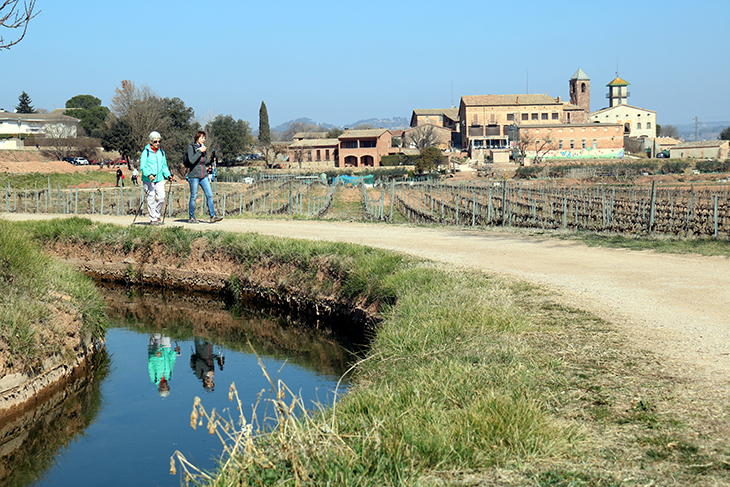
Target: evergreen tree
x=24, y=104
x=264, y=130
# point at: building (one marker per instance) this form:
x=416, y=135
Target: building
x=361, y=148
x=53, y=125
x=618, y=92
x=543, y=142
x=442, y=117
x=716, y=149
x=315, y=153
x=580, y=90
x=637, y=122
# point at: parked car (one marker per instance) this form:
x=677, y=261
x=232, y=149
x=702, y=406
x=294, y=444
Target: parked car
x=69, y=159
x=80, y=161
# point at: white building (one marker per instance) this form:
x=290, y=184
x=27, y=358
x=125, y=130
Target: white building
x=54, y=124
x=637, y=122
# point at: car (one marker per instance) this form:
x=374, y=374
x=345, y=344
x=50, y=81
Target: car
x=660, y=155
x=80, y=161
x=69, y=159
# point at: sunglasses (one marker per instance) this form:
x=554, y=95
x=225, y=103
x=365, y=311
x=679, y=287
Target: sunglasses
x=155, y=141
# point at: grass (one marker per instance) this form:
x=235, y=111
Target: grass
x=66, y=180
x=469, y=380
x=35, y=292
x=671, y=245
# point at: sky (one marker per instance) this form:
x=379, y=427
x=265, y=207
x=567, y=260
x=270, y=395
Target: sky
x=339, y=62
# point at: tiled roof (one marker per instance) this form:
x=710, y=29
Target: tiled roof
x=314, y=143
x=498, y=100
x=618, y=82
x=358, y=134
x=452, y=113
x=310, y=135
x=700, y=143
x=35, y=117
x=580, y=75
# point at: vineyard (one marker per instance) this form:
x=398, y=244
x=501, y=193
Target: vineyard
x=647, y=210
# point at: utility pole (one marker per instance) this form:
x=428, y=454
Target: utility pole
x=697, y=129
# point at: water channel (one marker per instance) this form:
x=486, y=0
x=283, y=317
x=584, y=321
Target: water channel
x=119, y=422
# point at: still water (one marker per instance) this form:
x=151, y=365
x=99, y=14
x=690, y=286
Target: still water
x=121, y=423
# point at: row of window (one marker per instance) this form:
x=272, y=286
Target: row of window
x=560, y=130
x=582, y=144
x=364, y=144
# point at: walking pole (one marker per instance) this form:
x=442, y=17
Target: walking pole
x=139, y=210
x=167, y=200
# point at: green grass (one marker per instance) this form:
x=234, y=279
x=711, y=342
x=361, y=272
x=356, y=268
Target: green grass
x=38, y=181
x=671, y=245
x=33, y=286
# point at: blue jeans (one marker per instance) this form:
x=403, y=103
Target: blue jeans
x=205, y=184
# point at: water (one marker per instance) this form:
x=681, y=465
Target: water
x=123, y=426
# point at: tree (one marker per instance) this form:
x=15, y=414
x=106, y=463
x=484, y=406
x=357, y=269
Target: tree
x=530, y=141
x=229, y=137
x=264, y=130
x=429, y=160
x=24, y=104
x=725, y=134
x=296, y=127
x=12, y=17
x=422, y=136
x=89, y=111
x=117, y=136
x=667, y=131
x=335, y=133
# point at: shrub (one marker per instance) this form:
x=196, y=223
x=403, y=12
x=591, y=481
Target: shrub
x=674, y=167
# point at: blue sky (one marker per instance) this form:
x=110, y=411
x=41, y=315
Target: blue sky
x=339, y=62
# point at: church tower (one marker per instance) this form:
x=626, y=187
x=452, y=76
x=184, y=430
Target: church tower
x=580, y=90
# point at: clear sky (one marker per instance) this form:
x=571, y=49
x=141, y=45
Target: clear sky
x=338, y=62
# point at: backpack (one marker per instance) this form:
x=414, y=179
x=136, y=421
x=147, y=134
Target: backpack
x=186, y=160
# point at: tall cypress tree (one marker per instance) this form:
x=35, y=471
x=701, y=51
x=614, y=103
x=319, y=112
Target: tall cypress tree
x=24, y=104
x=264, y=130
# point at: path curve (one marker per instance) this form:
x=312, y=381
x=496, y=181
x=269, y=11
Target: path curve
x=674, y=305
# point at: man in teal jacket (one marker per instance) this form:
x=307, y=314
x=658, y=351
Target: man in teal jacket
x=153, y=165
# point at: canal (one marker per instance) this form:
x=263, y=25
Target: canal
x=119, y=422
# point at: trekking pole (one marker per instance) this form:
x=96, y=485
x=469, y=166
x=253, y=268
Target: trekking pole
x=139, y=210
x=167, y=200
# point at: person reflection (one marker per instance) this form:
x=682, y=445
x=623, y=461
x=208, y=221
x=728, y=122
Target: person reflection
x=160, y=362
x=203, y=363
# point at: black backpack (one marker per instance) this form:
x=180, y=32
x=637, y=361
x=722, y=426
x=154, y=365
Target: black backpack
x=186, y=160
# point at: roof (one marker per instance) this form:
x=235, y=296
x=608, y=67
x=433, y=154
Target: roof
x=580, y=75
x=700, y=143
x=497, y=100
x=618, y=82
x=36, y=117
x=452, y=113
x=360, y=134
x=570, y=106
x=619, y=107
x=310, y=135
x=313, y=143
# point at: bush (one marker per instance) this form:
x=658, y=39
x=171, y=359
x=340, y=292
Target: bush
x=674, y=167
x=528, y=172
x=713, y=166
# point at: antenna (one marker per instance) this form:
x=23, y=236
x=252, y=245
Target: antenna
x=452, y=93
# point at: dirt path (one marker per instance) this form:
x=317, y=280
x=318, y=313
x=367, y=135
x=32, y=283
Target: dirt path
x=675, y=305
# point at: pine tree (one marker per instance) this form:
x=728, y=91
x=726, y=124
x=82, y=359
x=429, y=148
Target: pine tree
x=24, y=104
x=264, y=130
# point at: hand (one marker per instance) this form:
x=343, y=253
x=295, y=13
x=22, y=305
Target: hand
x=152, y=178
x=203, y=148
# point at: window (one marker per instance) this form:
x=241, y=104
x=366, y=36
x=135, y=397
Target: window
x=526, y=131
x=351, y=144
x=319, y=156
x=583, y=144
x=595, y=143
x=582, y=87
x=543, y=116
x=367, y=143
x=648, y=125
x=561, y=145
x=525, y=116
x=534, y=116
x=510, y=117
x=327, y=155
x=492, y=120
x=572, y=144
x=638, y=126
x=475, y=119
x=556, y=116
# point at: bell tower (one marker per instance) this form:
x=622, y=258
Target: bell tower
x=580, y=90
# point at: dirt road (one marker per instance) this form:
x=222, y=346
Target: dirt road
x=675, y=305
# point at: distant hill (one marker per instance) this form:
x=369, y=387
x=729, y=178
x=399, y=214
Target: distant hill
x=707, y=130
x=395, y=123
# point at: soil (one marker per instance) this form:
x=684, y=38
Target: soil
x=673, y=305
x=32, y=161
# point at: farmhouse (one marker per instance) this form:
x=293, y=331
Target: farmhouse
x=701, y=149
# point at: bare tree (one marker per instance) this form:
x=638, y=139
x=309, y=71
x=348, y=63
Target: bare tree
x=531, y=141
x=422, y=136
x=12, y=16
x=669, y=131
x=60, y=137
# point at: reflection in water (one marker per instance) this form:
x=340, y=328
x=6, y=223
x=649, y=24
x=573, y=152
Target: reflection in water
x=203, y=361
x=160, y=362
x=113, y=418
x=31, y=440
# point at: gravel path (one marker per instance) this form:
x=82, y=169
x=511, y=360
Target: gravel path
x=674, y=305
